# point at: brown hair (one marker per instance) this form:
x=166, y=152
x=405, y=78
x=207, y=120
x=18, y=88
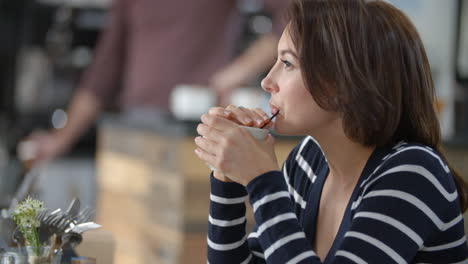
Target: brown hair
x=365, y=59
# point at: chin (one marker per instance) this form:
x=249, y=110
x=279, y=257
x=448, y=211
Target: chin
x=283, y=128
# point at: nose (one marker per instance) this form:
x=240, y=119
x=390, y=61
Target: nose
x=269, y=84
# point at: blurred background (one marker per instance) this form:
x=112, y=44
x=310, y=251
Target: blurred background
x=131, y=159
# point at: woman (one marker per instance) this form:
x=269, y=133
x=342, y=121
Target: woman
x=369, y=183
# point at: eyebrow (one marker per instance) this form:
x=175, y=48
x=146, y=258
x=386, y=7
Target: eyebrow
x=283, y=52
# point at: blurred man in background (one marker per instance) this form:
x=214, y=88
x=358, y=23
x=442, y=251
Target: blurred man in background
x=149, y=47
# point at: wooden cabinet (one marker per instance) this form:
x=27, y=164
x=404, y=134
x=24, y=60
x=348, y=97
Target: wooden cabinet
x=153, y=193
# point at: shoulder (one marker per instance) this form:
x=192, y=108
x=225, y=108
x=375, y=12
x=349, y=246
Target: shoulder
x=417, y=159
x=414, y=173
x=416, y=153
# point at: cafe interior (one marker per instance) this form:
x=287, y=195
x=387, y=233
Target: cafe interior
x=133, y=170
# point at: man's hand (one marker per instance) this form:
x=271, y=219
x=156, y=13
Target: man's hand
x=41, y=147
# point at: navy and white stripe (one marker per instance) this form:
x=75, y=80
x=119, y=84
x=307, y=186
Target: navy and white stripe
x=405, y=209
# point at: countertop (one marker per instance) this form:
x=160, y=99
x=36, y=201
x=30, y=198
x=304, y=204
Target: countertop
x=163, y=124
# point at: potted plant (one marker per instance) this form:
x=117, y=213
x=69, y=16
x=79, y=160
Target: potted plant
x=25, y=217
x=41, y=235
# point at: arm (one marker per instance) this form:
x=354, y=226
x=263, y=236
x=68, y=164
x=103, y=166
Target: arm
x=41, y=146
x=99, y=82
x=257, y=58
x=278, y=9
x=104, y=76
x=226, y=228
x=227, y=241
x=83, y=110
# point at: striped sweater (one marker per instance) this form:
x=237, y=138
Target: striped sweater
x=404, y=209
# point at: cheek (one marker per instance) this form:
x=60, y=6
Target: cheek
x=303, y=116
x=298, y=115
x=301, y=112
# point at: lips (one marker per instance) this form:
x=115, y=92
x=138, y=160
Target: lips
x=273, y=108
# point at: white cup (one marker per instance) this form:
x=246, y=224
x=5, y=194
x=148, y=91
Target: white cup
x=189, y=102
x=257, y=133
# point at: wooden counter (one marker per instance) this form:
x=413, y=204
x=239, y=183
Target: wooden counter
x=153, y=192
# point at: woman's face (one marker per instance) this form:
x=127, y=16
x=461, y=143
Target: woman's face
x=299, y=113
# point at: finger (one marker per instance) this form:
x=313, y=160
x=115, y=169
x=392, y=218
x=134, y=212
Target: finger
x=262, y=114
x=260, y=117
x=219, y=111
x=216, y=122
x=266, y=122
x=206, y=145
x=257, y=115
x=205, y=156
x=208, y=132
x=223, y=112
x=240, y=115
x=269, y=125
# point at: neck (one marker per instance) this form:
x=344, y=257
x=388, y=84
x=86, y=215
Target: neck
x=346, y=159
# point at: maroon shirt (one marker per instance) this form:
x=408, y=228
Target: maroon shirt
x=150, y=46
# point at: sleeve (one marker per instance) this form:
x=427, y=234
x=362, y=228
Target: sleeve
x=103, y=77
x=278, y=10
x=227, y=241
x=278, y=230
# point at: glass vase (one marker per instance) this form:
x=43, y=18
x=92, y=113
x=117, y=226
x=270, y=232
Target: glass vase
x=26, y=256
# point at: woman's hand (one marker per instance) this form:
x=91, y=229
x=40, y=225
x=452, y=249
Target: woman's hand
x=242, y=116
x=231, y=149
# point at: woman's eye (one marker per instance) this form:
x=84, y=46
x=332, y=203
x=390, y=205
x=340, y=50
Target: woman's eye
x=286, y=63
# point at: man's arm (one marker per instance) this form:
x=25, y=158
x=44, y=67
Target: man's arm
x=44, y=146
x=100, y=82
x=257, y=58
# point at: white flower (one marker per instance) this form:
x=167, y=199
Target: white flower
x=36, y=205
x=25, y=218
x=26, y=222
x=26, y=212
x=36, y=223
